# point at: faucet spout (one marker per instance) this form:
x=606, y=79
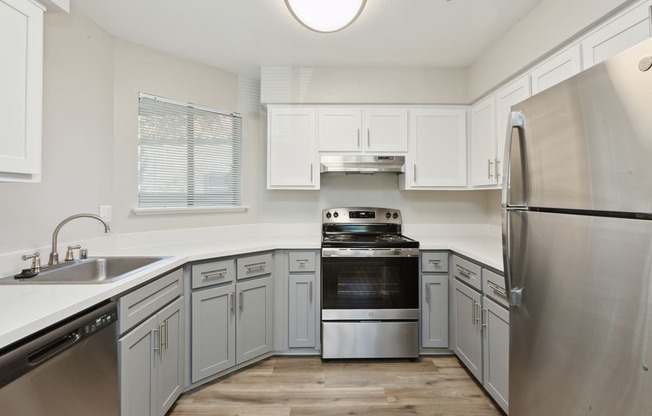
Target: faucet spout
x=54, y=256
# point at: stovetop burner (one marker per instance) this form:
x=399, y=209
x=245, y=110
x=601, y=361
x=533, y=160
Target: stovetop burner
x=340, y=237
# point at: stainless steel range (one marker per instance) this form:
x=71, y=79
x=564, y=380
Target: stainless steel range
x=370, y=285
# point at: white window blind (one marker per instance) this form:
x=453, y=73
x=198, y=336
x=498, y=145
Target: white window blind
x=189, y=156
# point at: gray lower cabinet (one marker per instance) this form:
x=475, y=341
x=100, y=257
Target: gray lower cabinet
x=467, y=327
x=302, y=311
x=151, y=359
x=231, y=322
x=434, y=299
x=495, y=344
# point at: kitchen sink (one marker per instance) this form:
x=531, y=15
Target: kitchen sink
x=93, y=270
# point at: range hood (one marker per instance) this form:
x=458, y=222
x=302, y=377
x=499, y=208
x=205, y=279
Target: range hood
x=362, y=164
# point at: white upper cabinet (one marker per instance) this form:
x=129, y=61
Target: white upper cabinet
x=506, y=97
x=291, y=148
x=483, y=142
x=437, y=157
x=370, y=130
x=556, y=69
x=21, y=86
x=617, y=35
x=340, y=129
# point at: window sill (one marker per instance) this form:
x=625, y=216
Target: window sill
x=198, y=210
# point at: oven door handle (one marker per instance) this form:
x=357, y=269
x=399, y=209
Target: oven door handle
x=369, y=252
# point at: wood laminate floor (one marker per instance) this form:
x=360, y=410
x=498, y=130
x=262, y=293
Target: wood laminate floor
x=290, y=386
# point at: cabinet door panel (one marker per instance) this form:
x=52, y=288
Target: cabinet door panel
x=255, y=318
x=616, y=36
x=385, y=130
x=556, y=69
x=496, y=352
x=213, y=331
x=138, y=369
x=292, y=158
x=340, y=129
x=170, y=372
x=438, y=137
x=21, y=75
x=467, y=327
x=506, y=97
x=483, y=142
x=434, y=311
x=302, y=311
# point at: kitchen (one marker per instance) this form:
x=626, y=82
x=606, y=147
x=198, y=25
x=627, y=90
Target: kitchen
x=91, y=79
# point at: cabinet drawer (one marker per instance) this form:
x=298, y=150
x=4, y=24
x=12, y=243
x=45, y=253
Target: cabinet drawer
x=140, y=304
x=434, y=261
x=213, y=273
x=493, y=285
x=252, y=266
x=467, y=272
x=302, y=261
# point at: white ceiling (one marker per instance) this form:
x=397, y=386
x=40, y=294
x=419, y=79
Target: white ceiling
x=242, y=35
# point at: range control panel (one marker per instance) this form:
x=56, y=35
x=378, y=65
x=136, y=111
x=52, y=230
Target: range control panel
x=361, y=216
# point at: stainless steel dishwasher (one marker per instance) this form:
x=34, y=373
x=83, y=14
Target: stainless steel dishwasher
x=69, y=369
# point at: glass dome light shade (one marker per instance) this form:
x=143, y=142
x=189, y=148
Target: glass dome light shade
x=325, y=15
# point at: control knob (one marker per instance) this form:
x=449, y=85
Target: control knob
x=388, y=215
x=336, y=214
x=328, y=215
x=395, y=215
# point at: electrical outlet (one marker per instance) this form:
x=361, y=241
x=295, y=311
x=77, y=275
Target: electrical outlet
x=105, y=212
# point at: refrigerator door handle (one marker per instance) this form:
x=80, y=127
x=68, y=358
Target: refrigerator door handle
x=516, y=121
x=514, y=294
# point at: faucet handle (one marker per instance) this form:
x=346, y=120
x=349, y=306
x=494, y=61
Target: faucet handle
x=70, y=256
x=36, y=260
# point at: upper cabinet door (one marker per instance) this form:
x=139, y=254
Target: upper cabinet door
x=616, y=36
x=21, y=87
x=483, y=142
x=291, y=154
x=438, y=143
x=385, y=130
x=556, y=69
x=506, y=97
x=340, y=129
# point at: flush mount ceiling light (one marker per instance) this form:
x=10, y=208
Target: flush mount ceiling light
x=325, y=15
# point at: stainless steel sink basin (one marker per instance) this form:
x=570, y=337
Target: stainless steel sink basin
x=91, y=270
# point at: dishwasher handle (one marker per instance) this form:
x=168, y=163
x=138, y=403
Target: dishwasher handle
x=25, y=355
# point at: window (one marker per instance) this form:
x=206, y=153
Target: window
x=189, y=156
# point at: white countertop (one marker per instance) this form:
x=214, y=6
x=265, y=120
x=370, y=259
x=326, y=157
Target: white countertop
x=26, y=309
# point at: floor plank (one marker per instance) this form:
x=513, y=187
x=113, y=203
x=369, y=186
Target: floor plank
x=297, y=386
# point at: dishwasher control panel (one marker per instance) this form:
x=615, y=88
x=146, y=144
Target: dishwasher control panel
x=100, y=322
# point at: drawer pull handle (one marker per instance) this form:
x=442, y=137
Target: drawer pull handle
x=256, y=267
x=310, y=290
x=464, y=272
x=485, y=311
x=215, y=274
x=241, y=301
x=232, y=302
x=435, y=262
x=498, y=289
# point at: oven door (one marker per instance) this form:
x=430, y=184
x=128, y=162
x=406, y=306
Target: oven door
x=378, y=286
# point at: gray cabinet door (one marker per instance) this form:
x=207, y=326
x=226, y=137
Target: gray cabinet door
x=254, y=323
x=467, y=327
x=170, y=359
x=138, y=371
x=213, y=331
x=496, y=351
x=434, y=311
x=302, y=310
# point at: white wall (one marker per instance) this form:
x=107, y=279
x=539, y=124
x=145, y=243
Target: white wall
x=546, y=27
x=359, y=85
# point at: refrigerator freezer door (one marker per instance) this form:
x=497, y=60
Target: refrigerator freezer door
x=580, y=340
x=588, y=140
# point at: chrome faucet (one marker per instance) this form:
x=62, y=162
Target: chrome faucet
x=54, y=256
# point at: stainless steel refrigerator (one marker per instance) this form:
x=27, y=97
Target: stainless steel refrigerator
x=577, y=242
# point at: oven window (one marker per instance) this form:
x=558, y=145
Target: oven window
x=370, y=283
